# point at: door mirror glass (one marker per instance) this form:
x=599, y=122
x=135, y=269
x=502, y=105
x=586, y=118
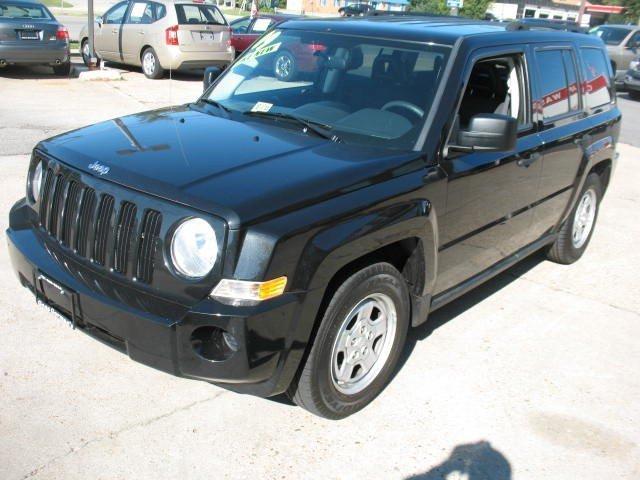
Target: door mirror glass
x=210, y=75
x=488, y=132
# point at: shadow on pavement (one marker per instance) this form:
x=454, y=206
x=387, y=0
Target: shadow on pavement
x=465, y=302
x=471, y=461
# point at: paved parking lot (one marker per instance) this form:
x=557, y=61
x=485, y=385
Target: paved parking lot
x=531, y=376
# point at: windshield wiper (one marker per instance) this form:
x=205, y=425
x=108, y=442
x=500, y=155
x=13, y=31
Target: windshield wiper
x=218, y=105
x=320, y=129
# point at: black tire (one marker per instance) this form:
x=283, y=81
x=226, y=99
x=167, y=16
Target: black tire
x=288, y=73
x=634, y=94
x=157, y=71
x=62, y=70
x=314, y=388
x=564, y=250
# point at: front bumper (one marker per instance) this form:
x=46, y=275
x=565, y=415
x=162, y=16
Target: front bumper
x=31, y=54
x=632, y=80
x=157, y=332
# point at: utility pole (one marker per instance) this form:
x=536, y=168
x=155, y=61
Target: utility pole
x=92, y=54
x=583, y=6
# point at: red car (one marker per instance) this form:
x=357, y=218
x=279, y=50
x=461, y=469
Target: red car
x=290, y=59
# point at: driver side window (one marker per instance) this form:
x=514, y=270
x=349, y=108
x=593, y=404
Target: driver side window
x=495, y=86
x=116, y=14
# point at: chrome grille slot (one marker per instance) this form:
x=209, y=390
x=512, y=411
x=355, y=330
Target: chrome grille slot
x=44, y=199
x=85, y=220
x=56, y=202
x=69, y=213
x=146, y=247
x=103, y=227
x=124, y=232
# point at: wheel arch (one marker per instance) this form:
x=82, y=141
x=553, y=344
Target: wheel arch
x=603, y=169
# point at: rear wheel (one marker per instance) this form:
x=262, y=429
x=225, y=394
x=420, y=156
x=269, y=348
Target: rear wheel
x=357, y=345
x=151, y=65
x=63, y=69
x=575, y=233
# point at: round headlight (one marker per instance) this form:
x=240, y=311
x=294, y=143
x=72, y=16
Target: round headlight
x=36, y=181
x=194, y=248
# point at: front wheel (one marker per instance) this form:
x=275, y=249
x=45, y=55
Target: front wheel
x=86, y=54
x=357, y=345
x=151, y=65
x=575, y=234
x=284, y=67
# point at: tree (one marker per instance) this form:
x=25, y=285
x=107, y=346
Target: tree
x=437, y=7
x=475, y=8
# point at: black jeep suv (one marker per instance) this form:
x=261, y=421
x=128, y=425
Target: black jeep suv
x=282, y=236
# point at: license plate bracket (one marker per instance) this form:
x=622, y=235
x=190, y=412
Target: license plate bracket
x=207, y=36
x=57, y=297
x=29, y=35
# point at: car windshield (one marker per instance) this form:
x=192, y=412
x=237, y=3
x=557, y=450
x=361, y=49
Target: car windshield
x=611, y=35
x=365, y=91
x=23, y=10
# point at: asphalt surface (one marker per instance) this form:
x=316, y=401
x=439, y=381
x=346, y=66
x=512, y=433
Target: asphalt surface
x=531, y=376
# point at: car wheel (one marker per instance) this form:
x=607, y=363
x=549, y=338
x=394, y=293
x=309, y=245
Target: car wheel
x=63, y=69
x=358, y=344
x=284, y=67
x=86, y=54
x=634, y=94
x=151, y=65
x=575, y=233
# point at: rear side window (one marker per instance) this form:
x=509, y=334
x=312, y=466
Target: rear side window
x=199, y=15
x=572, y=79
x=553, y=83
x=597, y=85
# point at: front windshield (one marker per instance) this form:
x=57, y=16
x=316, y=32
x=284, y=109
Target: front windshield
x=362, y=90
x=611, y=35
x=23, y=10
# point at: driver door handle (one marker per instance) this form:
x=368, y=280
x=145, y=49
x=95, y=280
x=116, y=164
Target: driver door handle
x=527, y=160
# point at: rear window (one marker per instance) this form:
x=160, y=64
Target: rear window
x=199, y=15
x=23, y=10
x=598, y=77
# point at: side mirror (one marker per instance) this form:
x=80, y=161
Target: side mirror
x=488, y=132
x=210, y=75
x=99, y=21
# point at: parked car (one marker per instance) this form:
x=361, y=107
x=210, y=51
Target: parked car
x=622, y=43
x=284, y=236
x=30, y=35
x=291, y=62
x=356, y=10
x=161, y=35
x=632, y=79
x=246, y=30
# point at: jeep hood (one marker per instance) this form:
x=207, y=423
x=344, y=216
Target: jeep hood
x=239, y=170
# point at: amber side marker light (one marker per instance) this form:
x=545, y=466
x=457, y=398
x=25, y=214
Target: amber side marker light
x=241, y=291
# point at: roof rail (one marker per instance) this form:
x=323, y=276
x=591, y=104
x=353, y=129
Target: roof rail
x=542, y=24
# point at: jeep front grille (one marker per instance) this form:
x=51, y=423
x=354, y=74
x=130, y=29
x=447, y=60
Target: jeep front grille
x=97, y=226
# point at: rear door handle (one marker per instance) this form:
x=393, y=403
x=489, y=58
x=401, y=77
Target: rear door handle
x=114, y=30
x=527, y=160
x=141, y=32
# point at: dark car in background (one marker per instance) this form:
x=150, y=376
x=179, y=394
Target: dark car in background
x=30, y=35
x=356, y=10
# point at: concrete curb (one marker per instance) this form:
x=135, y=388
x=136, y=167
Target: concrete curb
x=100, y=75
